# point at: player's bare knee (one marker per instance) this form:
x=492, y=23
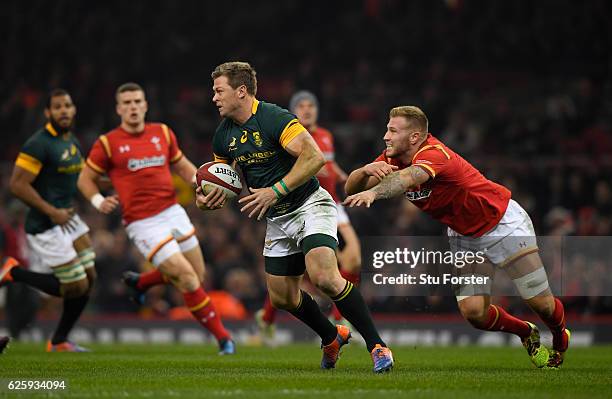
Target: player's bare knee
x=475, y=313
x=543, y=305
x=75, y=289
x=352, y=263
x=283, y=302
x=188, y=281
x=329, y=285
x=92, y=276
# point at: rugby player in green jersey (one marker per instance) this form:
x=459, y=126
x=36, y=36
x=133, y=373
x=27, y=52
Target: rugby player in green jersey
x=62, y=258
x=279, y=160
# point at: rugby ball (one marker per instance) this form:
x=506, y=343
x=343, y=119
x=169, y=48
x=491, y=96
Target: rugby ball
x=217, y=174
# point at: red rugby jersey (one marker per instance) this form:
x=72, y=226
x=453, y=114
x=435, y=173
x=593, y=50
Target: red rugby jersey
x=456, y=194
x=327, y=175
x=138, y=166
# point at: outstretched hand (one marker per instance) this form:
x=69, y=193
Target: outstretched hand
x=363, y=198
x=379, y=169
x=261, y=200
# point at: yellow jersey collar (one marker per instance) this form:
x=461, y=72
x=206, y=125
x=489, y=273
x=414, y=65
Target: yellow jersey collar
x=51, y=129
x=254, y=106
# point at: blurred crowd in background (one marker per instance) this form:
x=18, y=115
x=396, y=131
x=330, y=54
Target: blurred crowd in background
x=522, y=90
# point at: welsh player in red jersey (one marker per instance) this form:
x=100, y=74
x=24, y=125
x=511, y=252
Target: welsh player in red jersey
x=480, y=215
x=138, y=158
x=305, y=106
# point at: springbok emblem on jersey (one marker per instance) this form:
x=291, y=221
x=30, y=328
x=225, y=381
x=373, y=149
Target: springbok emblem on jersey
x=232, y=144
x=69, y=153
x=257, y=139
x=155, y=140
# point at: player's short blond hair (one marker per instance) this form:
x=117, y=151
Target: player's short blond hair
x=238, y=74
x=414, y=115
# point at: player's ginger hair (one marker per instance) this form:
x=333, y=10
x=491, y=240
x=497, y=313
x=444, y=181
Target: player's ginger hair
x=238, y=74
x=414, y=115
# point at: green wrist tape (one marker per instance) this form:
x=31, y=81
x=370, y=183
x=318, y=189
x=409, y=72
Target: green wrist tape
x=278, y=193
x=284, y=186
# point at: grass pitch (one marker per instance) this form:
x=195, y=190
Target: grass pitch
x=181, y=371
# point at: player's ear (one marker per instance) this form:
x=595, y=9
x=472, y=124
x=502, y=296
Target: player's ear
x=414, y=137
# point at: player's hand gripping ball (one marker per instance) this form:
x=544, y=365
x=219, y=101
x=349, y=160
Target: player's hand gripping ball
x=218, y=175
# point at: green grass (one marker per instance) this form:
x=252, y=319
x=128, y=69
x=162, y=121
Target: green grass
x=160, y=371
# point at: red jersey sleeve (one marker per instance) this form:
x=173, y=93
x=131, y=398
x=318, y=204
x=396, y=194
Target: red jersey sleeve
x=432, y=159
x=98, y=158
x=174, y=152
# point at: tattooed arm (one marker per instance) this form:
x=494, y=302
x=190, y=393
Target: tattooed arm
x=398, y=182
x=392, y=185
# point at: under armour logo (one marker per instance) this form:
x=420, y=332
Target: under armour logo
x=124, y=148
x=523, y=244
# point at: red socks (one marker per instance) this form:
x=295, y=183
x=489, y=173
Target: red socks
x=150, y=278
x=269, y=314
x=203, y=310
x=500, y=320
x=556, y=323
x=352, y=277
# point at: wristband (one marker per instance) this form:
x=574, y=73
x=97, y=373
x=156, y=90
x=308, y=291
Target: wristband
x=97, y=200
x=284, y=186
x=278, y=193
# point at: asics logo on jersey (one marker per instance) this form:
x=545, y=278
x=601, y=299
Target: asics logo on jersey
x=124, y=148
x=418, y=195
x=244, y=136
x=135, y=164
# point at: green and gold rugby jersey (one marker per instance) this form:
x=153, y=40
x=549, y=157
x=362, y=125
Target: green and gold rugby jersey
x=258, y=147
x=56, y=161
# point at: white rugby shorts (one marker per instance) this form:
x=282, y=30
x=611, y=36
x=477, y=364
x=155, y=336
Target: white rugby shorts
x=160, y=236
x=513, y=237
x=318, y=215
x=54, y=247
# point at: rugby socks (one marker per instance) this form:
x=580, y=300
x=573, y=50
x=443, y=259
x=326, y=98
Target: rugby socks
x=45, y=282
x=309, y=313
x=73, y=307
x=353, y=278
x=335, y=313
x=149, y=279
x=500, y=320
x=269, y=313
x=351, y=305
x=556, y=324
x=203, y=310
